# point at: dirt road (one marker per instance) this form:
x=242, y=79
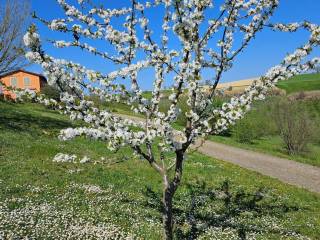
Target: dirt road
x=288, y=171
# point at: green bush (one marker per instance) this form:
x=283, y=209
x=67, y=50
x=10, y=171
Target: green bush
x=165, y=104
x=256, y=124
x=295, y=125
x=245, y=131
x=51, y=92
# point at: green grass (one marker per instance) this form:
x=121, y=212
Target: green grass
x=29, y=179
x=148, y=94
x=304, y=82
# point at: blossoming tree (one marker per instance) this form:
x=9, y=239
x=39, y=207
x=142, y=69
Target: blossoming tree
x=206, y=42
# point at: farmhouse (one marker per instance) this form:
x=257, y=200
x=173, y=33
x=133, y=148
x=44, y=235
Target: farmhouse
x=21, y=79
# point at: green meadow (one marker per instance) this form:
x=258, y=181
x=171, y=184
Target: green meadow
x=117, y=196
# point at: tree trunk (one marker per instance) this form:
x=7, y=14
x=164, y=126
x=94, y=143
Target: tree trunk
x=167, y=214
x=168, y=193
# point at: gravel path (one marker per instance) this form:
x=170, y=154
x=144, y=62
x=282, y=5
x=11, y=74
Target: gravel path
x=295, y=173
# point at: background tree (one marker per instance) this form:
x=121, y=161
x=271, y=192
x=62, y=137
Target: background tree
x=133, y=48
x=51, y=92
x=294, y=125
x=13, y=23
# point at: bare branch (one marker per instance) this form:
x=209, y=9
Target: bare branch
x=13, y=22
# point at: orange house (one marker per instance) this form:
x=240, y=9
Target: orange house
x=21, y=79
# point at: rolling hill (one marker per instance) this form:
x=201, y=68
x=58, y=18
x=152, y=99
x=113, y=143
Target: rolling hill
x=304, y=82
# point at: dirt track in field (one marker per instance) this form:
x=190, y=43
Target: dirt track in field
x=288, y=171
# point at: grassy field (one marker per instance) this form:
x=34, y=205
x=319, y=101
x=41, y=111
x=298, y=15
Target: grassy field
x=117, y=196
x=304, y=82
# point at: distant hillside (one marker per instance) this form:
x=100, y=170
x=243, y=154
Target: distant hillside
x=237, y=84
x=304, y=82
x=234, y=87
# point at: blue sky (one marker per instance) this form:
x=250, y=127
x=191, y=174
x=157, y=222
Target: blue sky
x=267, y=50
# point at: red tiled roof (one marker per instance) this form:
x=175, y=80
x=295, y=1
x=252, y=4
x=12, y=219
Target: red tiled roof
x=21, y=70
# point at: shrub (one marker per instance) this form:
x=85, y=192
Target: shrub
x=257, y=124
x=245, y=131
x=182, y=105
x=51, y=92
x=264, y=118
x=294, y=125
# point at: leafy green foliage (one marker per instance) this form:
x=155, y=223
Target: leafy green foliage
x=51, y=92
x=246, y=131
x=294, y=125
x=257, y=123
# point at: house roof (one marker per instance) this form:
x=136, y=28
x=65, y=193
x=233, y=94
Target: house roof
x=21, y=70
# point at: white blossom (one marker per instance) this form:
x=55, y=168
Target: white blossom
x=204, y=43
x=61, y=157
